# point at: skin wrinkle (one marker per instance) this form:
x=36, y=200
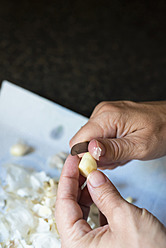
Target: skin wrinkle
x=70, y=177
x=127, y=129
x=121, y=130
x=117, y=151
x=108, y=116
x=78, y=236
x=70, y=196
x=100, y=234
x=110, y=144
x=70, y=226
x=140, y=145
x=83, y=231
x=104, y=130
x=120, y=127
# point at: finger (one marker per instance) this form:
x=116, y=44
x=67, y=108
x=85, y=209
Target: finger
x=88, y=132
x=111, y=166
x=68, y=213
x=111, y=151
x=104, y=195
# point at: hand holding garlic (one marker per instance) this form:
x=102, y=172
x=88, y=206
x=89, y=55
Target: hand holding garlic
x=125, y=224
x=117, y=132
x=121, y=131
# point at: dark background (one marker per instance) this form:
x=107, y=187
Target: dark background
x=79, y=53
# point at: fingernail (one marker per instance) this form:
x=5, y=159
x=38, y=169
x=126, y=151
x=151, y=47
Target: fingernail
x=98, y=150
x=96, y=178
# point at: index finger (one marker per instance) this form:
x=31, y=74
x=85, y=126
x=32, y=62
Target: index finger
x=91, y=130
x=68, y=214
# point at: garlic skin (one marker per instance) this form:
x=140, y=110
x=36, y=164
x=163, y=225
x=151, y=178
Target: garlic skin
x=57, y=160
x=27, y=217
x=47, y=239
x=4, y=229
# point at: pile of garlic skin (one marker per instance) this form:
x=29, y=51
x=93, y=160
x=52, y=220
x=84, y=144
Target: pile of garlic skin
x=27, y=206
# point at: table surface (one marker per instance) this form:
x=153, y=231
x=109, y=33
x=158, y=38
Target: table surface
x=32, y=119
x=79, y=53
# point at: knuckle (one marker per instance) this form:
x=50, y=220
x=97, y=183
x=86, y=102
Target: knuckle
x=111, y=107
x=106, y=106
x=101, y=104
x=128, y=103
x=115, y=106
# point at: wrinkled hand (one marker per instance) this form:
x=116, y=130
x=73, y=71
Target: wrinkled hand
x=127, y=226
x=121, y=131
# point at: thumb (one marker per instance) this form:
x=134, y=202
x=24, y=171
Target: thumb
x=104, y=194
x=108, y=151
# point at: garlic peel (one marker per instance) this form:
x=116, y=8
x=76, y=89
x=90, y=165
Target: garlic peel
x=27, y=219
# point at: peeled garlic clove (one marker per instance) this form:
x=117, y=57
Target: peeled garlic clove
x=87, y=164
x=19, y=149
x=129, y=199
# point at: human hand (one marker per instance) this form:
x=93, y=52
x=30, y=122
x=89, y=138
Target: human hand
x=128, y=226
x=121, y=131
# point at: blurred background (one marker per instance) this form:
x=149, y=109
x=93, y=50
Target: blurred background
x=79, y=53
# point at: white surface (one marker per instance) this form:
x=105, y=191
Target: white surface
x=28, y=117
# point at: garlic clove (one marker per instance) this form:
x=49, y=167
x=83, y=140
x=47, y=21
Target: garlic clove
x=20, y=149
x=87, y=164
